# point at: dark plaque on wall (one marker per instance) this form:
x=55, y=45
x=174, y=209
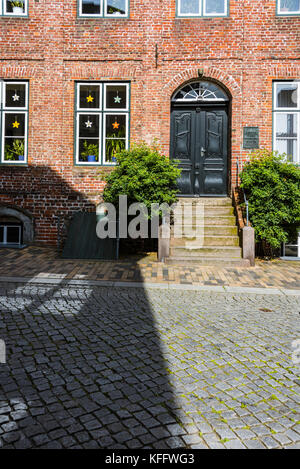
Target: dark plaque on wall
x=251, y=138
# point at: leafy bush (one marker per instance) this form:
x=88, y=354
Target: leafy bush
x=144, y=175
x=272, y=186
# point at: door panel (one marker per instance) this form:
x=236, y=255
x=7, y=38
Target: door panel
x=182, y=135
x=214, y=154
x=199, y=141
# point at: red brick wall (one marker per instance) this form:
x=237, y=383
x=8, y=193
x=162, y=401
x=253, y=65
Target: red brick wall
x=53, y=48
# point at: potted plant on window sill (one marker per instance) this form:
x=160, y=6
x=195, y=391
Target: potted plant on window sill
x=17, y=6
x=15, y=152
x=90, y=152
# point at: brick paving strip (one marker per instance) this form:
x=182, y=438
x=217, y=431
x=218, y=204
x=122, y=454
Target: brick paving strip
x=90, y=366
x=38, y=262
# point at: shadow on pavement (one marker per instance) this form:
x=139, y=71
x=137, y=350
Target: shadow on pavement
x=85, y=369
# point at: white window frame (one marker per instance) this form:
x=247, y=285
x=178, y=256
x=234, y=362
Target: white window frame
x=119, y=109
x=4, y=226
x=292, y=245
x=94, y=109
x=215, y=14
x=286, y=110
x=78, y=138
x=103, y=14
x=202, y=11
x=4, y=12
x=286, y=13
x=102, y=111
x=4, y=110
x=111, y=163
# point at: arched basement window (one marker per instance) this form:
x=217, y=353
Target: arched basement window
x=200, y=91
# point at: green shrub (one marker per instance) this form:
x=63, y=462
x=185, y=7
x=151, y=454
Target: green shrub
x=144, y=175
x=272, y=186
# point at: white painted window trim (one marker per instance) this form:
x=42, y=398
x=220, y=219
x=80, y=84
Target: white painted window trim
x=103, y=14
x=25, y=108
x=215, y=14
x=5, y=234
x=16, y=110
x=107, y=15
x=119, y=109
x=4, y=12
x=110, y=163
x=292, y=109
x=288, y=110
x=78, y=138
x=95, y=109
x=202, y=11
x=284, y=13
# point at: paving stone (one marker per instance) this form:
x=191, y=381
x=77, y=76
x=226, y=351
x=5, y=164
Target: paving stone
x=99, y=379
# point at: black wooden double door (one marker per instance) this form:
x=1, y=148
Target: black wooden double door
x=199, y=140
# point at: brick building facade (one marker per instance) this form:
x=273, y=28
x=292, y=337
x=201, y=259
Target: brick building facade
x=152, y=50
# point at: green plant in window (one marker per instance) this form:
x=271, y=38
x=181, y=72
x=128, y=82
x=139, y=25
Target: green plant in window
x=89, y=149
x=113, y=148
x=12, y=152
x=17, y=3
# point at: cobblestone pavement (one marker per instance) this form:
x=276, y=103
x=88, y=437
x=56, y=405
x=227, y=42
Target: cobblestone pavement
x=134, y=368
x=43, y=262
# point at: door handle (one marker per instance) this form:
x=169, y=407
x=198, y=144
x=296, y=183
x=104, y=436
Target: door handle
x=203, y=151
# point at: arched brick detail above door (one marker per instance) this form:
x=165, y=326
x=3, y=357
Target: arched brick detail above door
x=204, y=73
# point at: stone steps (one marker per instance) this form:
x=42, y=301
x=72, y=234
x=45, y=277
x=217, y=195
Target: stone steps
x=213, y=240
x=210, y=220
x=209, y=251
x=208, y=230
x=209, y=234
x=207, y=261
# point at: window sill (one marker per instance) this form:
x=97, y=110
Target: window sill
x=95, y=17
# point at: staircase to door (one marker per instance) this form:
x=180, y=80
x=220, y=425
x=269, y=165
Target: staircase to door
x=209, y=234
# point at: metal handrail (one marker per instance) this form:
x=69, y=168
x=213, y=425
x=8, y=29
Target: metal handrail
x=244, y=195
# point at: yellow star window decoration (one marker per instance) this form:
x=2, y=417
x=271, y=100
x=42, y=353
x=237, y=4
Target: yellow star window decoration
x=116, y=125
x=16, y=124
x=90, y=99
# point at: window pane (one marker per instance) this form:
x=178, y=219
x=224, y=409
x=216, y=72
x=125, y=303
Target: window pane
x=1, y=234
x=115, y=126
x=13, y=235
x=286, y=135
x=15, y=95
x=116, y=97
x=215, y=6
x=91, y=7
x=287, y=95
x=14, y=149
x=16, y=10
x=116, y=7
x=14, y=125
x=88, y=150
x=88, y=126
x=189, y=7
x=112, y=148
x=289, y=6
x=89, y=96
